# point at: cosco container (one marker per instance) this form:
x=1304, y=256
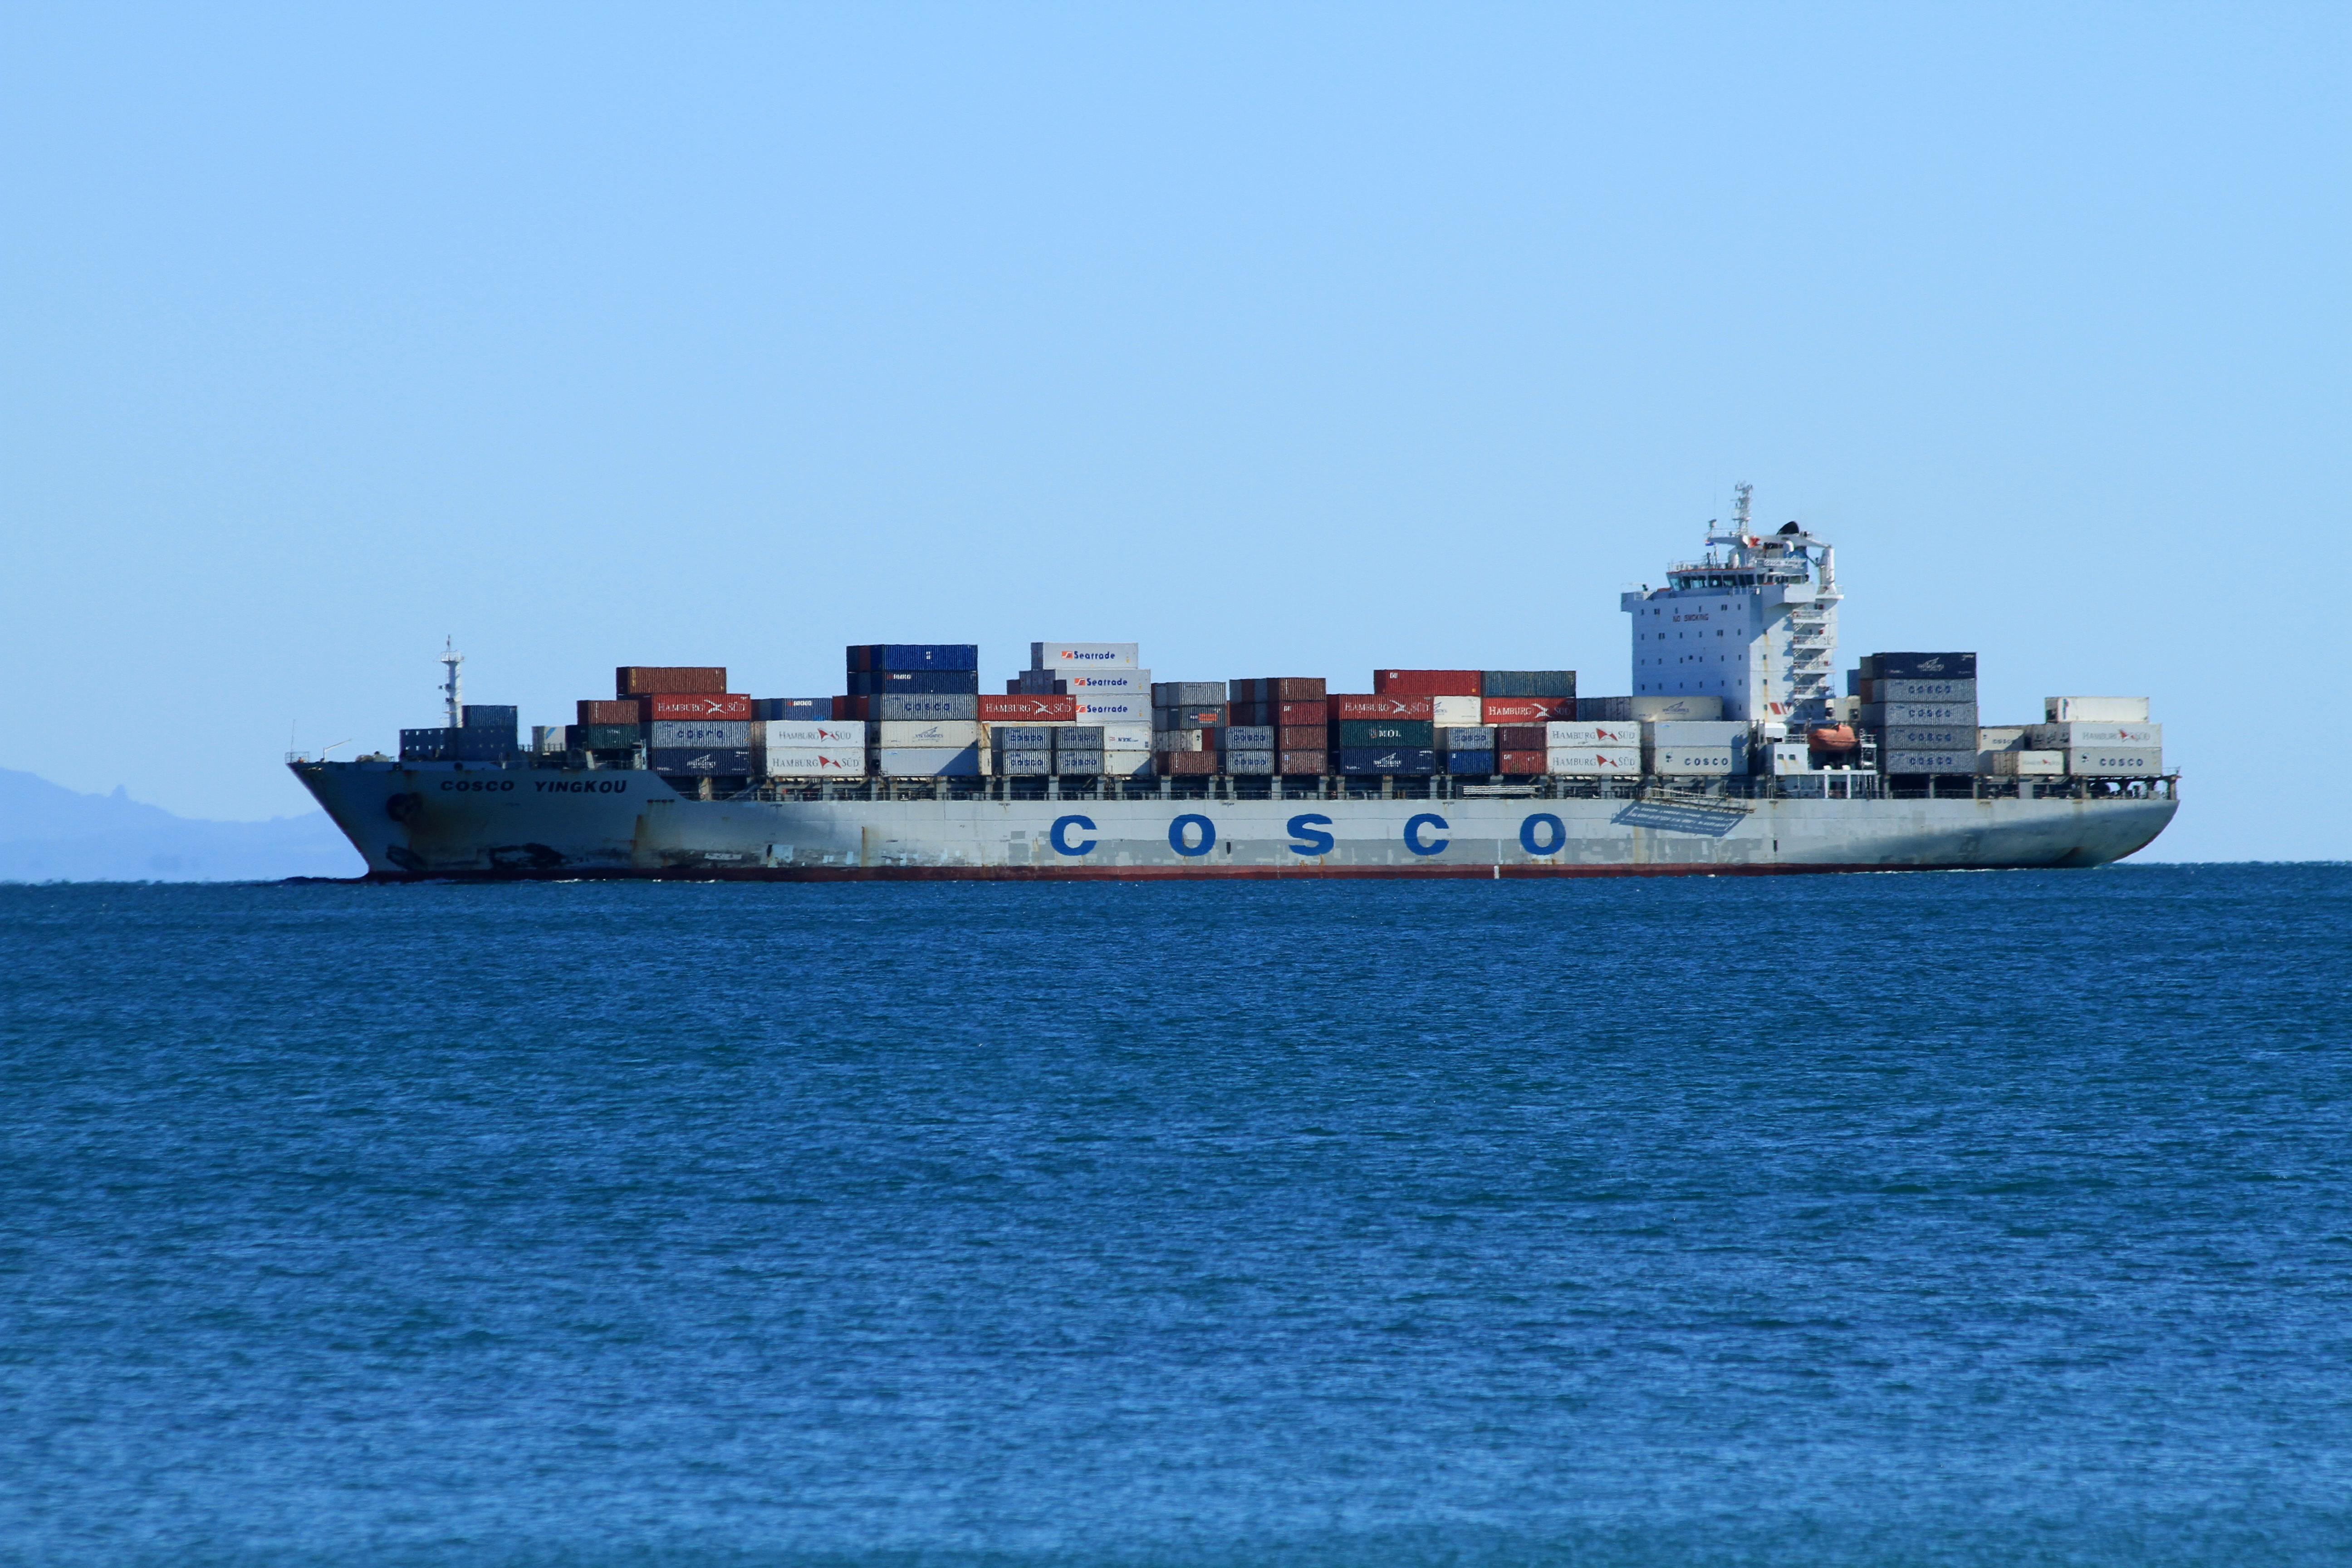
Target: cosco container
x=1886, y=715
x=714, y=762
x=1900, y=691
x=1031, y=708
x=1929, y=738
x=1081, y=738
x=1428, y=682
x=1109, y=683
x=1073, y=763
x=1585, y=761
x=1023, y=765
x=907, y=707
x=2075, y=736
x=926, y=761
x=1353, y=733
x=1928, y=761
x=1060, y=656
x=914, y=733
x=1470, y=764
x=792, y=734
x=1021, y=736
x=1249, y=764
x=812, y=763
x=712, y=705
x=2094, y=709
x=1919, y=666
x=669, y=735
x=1552, y=683
x=656, y=680
x=1651, y=709
x=1247, y=738
x=1387, y=759
x=1694, y=761
x=1346, y=706
x=2115, y=762
x=1465, y=738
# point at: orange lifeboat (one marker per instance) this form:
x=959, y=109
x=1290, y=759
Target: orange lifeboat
x=1833, y=738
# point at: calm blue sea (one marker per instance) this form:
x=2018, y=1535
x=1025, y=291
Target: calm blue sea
x=1950, y=1219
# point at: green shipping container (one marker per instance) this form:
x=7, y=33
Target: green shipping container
x=1414, y=732
x=609, y=737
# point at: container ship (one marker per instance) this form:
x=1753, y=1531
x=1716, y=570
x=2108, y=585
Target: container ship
x=1732, y=753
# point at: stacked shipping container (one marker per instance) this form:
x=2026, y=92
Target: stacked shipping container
x=1923, y=708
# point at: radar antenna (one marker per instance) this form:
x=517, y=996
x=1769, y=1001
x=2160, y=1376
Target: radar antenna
x=454, y=691
x=1743, y=489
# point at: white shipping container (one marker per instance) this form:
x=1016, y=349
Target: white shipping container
x=2071, y=737
x=1083, y=655
x=2001, y=737
x=799, y=734
x=1449, y=710
x=1109, y=683
x=1650, y=709
x=779, y=762
x=1593, y=762
x=2115, y=762
x=1110, y=709
x=918, y=733
x=1126, y=735
x=1179, y=740
x=1561, y=733
x=2023, y=765
x=2094, y=709
x=1127, y=764
x=929, y=762
x=1926, y=761
x=1696, y=762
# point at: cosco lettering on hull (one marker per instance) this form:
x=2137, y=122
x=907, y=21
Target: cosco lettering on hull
x=490, y=785
x=1193, y=835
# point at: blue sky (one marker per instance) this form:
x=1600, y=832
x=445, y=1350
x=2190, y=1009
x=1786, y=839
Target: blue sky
x=1282, y=340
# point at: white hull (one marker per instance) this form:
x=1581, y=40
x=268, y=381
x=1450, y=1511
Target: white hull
x=416, y=822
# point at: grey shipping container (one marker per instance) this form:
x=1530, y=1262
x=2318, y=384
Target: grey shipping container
x=1187, y=693
x=1893, y=690
x=1023, y=765
x=1021, y=736
x=1883, y=715
x=1929, y=738
x=911, y=706
x=926, y=761
x=1078, y=737
x=1073, y=763
x=1928, y=761
x=669, y=735
x=1468, y=737
x=1250, y=764
x=719, y=762
x=1247, y=738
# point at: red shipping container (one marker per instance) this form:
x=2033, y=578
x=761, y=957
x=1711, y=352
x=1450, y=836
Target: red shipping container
x=1303, y=760
x=1298, y=712
x=667, y=681
x=622, y=710
x=1295, y=688
x=716, y=705
x=849, y=707
x=1394, y=707
x=1429, y=683
x=1522, y=737
x=1181, y=763
x=1300, y=737
x=1520, y=763
x=1527, y=710
x=1028, y=710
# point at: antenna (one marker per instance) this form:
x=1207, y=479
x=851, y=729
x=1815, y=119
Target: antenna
x=1740, y=510
x=455, y=691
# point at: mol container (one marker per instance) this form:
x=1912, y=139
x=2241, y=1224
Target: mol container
x=1350, y=733
x=2115, y=762
x=1589, y=762
x=2070, y=737
x=2094, y=709
x=708, y=762
x=928, y=761
x=1928, y=761
x=2024, y=764
x=669, y=735
x=1654, y=710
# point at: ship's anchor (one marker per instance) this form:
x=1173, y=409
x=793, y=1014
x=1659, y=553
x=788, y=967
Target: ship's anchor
x=403, y=808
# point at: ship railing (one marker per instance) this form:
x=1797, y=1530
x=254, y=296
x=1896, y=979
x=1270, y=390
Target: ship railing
x=1737, y=793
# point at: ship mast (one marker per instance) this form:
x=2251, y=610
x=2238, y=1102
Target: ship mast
x=453, y=691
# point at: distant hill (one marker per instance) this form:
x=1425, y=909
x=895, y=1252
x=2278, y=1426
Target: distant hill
x=50, y=834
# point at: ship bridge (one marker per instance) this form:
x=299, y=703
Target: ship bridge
x=1754, y=621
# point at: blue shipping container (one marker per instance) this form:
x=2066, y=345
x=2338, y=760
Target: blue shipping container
x=489, y=716
x=791, y=708
x=925, y=656
x=716, y=761
x=960, y=680
x=1387, y=759
x=1471, y=762
x=1922, y=667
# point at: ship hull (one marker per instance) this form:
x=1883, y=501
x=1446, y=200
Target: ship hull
x=415, y=823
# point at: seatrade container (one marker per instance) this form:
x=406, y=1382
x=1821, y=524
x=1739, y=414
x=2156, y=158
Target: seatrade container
x=926, y=761
x=1428, y=682
x=2115, y=762
x=1345, y=708
x=1309, y=761
x=1109, y=683
x=712, y=705
x=1112, y=710
x=1355, y=734
x=659, y=680
x=1893, y=715
x=925, y=707
x=1651, y=709
x=1587, y=762
x=2094, y=709
x=669, y=735
x=1928, y=761
x=706, y=760
x=1470, y=764
x=1525, y=709
x=1083, y=654
x=2077, y=736
x=1929, y=738
x=920, y=734
x=1387, y=759
x=1546, y=683
x=848, y=761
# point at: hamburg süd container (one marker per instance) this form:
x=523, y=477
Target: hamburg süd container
x=1028, y=708
x=810, y=762
x=1590, y=732
x=710, y=762
x=2064, y=737
x=1525, y=709
x=1347, y=707
x=697, y=705
x=1581, y=761
x=668, y=680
